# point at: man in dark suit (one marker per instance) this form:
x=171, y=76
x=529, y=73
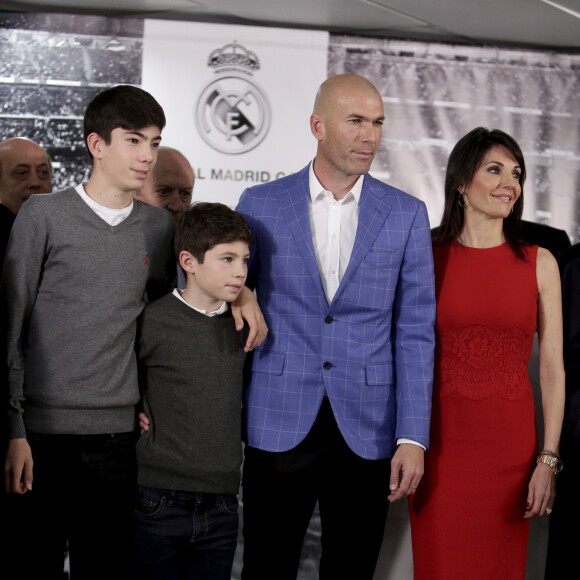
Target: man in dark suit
x=25, y=169
x=545, y=236
x=338, y=404
x=562, y=559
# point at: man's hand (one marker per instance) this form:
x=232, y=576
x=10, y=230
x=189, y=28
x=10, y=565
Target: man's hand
x=18, y=467
x=245, y=307
x=407, y=466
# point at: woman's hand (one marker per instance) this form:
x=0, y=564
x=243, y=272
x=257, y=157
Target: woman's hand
x=541, y=491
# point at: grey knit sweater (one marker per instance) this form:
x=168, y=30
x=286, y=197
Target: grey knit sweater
x=191, y=376
x=73, y=289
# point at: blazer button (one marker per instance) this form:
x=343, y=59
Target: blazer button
x=327, y=366
x=329, y=320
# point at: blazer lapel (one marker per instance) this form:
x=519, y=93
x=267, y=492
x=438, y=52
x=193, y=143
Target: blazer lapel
x=296, y=212
x=373, y=212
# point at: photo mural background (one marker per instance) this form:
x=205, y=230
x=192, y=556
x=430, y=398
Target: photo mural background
x=51, y=66
x=435, y=93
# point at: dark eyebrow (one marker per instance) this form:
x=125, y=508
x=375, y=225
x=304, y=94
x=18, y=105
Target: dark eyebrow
x=502, y=164
x=139, y=134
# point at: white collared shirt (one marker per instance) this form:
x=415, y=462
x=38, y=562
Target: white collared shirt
x=333, y=223
x=223, y=308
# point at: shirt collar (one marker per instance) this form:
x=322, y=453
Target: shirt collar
x=316, y=187
x=223, y=308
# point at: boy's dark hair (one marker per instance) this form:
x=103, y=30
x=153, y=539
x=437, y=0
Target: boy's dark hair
x=465, y=159
x=125, y=107
x=205, y=225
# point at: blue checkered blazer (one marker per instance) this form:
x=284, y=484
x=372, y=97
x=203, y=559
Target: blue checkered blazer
x=370, y=350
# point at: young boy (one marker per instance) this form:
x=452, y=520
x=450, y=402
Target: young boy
x=192, y=359
x=80, y=264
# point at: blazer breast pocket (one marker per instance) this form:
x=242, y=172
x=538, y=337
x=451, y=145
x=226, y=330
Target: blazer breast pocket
x=381, y=258
x=379, y=273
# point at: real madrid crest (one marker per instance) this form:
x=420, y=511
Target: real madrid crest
x=233, y=113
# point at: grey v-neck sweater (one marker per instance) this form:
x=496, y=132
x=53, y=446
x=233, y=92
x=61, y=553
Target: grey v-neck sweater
x=73, y=288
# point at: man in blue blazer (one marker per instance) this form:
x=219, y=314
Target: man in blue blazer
x=338, y=403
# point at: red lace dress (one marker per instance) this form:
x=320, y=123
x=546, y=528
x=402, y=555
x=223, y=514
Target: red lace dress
x=467, y=515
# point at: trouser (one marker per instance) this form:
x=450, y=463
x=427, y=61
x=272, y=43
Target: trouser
x=181, y=535
x=82, y=496
x=562, y=555
x=280, y=491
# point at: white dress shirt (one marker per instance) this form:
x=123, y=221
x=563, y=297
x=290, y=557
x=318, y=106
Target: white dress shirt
x=333, y=225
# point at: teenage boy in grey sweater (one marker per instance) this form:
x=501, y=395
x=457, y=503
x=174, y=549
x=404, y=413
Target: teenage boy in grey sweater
x=192, y=360
x=80, y=265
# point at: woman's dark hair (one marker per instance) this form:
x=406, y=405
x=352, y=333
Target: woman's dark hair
x=465, y=159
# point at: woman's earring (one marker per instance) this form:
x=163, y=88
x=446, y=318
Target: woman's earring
x=461, y=200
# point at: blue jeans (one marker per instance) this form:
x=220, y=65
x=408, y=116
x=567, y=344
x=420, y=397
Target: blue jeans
x=82, y=495
x=184, y=535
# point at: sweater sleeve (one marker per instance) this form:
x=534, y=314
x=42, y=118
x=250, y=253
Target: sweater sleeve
x=21, y=280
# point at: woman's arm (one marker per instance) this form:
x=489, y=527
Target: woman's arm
x=541, y=489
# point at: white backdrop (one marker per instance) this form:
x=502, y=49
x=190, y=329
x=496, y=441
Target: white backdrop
x=292, y=64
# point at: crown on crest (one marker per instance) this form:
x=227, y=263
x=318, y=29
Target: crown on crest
x=233, y=56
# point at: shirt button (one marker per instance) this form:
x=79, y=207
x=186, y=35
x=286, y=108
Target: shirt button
x=327, y=366
x=329, y=320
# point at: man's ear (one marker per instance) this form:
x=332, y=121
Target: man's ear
x=95, y=144
x=188, y=262
x=317, y=126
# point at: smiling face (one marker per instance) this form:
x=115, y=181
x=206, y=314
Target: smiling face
x=495, y=186
x=219, y=278
x=123, y=164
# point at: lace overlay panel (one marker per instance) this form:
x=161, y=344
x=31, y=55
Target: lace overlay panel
x=477, y=362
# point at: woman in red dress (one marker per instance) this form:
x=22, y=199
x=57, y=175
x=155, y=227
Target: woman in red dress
x=484, y=479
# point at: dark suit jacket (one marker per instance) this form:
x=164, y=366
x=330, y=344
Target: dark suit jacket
x=6, y=220
x=545, y=236
x=568, y=255
x=542, y=235
x=571, y=310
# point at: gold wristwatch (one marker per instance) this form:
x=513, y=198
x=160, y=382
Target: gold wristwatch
x=555, y=463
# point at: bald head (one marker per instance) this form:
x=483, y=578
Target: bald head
x=24, y=170
x=340, y=87
x=347, y=122
x=170, y=184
